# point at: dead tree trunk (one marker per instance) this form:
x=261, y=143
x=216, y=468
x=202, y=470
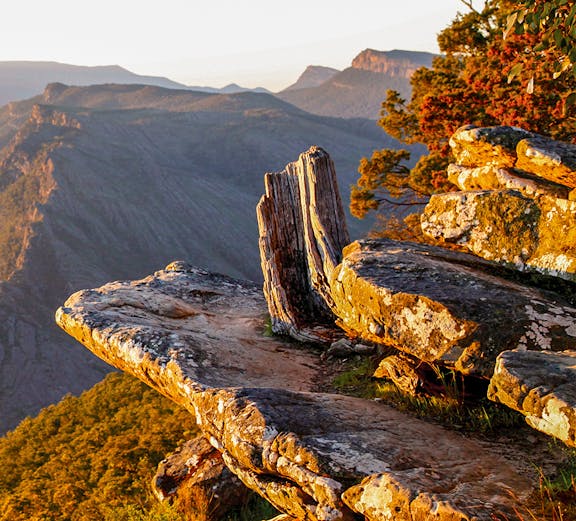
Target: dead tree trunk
x=302, y=233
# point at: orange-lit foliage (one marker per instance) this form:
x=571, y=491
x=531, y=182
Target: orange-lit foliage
x=477, y=80
x=92, y=458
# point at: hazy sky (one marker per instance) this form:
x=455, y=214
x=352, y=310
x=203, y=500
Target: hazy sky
x=211, y=42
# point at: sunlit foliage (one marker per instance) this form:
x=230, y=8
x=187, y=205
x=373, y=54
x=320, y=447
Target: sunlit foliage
x=481, y=78
x=92, y=457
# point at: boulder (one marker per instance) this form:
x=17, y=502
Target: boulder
x=445, y=307
x=542, y=386
x=195, y=478
x=403, y=372
x=302, y=232
x=197, y=338
x=549, y=159
x=480, y=146
x=506, y=227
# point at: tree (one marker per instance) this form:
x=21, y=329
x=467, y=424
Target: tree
x=554, y=22
x=479, y=79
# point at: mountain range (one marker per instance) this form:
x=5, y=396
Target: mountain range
x=357, y=91
x=24, y=79
x=110, y=182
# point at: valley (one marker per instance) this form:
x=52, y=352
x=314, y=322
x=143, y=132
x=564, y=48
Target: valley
x=104, y=182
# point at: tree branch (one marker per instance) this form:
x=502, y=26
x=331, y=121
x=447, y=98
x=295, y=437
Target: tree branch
x=397, y=203
x=468, y=4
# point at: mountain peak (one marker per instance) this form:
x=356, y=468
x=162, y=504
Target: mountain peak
x=394, y=63
x=313, y=76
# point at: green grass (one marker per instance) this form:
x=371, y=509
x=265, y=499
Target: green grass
x=449, y=408
x=356, y=379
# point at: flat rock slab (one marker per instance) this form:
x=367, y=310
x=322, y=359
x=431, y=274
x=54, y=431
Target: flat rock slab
x=443, y=306
x=197, y=338
x=542, y=386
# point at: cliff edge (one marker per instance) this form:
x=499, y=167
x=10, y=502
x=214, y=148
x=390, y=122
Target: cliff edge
x=264, y=403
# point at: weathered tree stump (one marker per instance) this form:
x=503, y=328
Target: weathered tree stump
x=302, y=234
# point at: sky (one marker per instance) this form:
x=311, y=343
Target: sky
x=250, y=42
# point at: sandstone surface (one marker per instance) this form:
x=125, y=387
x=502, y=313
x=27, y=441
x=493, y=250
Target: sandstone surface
x=541, y=385
x=197, y=338
x=442, y=306
x=506, y=227
x=196, y=479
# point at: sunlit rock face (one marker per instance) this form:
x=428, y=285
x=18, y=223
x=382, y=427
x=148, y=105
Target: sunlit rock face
x=197, y=338
x=515, y=207
x=541, y=386
x=504, y=226
x=443, y=306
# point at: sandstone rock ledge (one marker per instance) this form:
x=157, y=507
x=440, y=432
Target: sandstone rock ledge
x=540, y=385
x=197, y=338
x=443, y=306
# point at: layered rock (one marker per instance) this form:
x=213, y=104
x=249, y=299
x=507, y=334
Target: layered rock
x=196, y=479
x=392, y=63
x=507, y=227
x=444, y=307
x=541, y=385
x=302, y=232
x=197, y=338
x=516, y=208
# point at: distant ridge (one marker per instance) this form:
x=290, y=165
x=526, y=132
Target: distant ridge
x=357, y=91
x=313, y=76
x=21, y=80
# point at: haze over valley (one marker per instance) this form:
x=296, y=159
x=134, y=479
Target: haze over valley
x=106, y=182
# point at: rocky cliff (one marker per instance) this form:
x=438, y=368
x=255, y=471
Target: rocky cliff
x=100, y=183
x=358, y=90
x=263, y=402
x=393, y=63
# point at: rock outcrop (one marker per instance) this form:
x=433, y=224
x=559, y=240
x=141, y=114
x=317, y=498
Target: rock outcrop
x=197, y=481
x=443, y=306
x=541, y=385
x=515, y=208
x=197, y=338
x=302, y=233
